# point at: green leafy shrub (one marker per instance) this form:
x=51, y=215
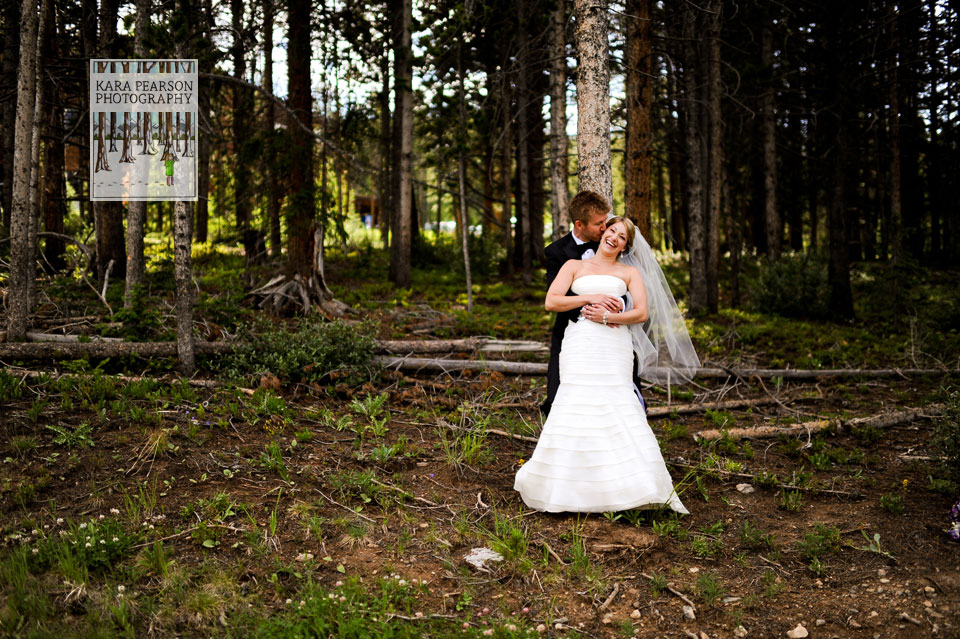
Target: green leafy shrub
x=793, y=286
x=312, y=351
x=946, y=438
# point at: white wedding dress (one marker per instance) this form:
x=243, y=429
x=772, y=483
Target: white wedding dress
x=596, y=452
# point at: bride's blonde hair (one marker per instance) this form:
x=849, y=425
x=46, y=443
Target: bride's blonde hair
x=628, y=225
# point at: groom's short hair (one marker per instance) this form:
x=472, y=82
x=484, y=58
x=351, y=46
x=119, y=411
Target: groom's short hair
x=587, y=203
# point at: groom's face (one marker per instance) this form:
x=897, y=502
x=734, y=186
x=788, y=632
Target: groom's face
x=593, y=229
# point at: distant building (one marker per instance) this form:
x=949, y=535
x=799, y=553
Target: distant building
x=368, y=210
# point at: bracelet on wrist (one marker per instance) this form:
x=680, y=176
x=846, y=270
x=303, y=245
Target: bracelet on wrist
x=606, y=314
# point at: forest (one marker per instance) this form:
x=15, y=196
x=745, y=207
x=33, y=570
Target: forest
x=293, y=402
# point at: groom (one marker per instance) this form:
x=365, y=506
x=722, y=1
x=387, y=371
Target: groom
x=588, y=210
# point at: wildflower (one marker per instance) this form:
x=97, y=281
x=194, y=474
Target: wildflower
x=342, y=598
x=402, y=582
x=102, y=517
x=525, y=610
x=59, y=521
x=338, y=584
x=954, y=522
x=541, y=628
x=331, y=596
x=905, y=482
x=121, y=588
x=114, y=511
x=511, y=627
x=115, y=539
x=488, y=632
x=465, y=625
x=418, y=615
x=35, y=551
x=82, y=526
x=520, y=462
x=103, y=542
x=88, y=545
x=289, y=601
x=302, y=603
x=486, y=611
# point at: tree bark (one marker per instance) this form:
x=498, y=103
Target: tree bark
x=21, y=215
x=300, y=211
x=183, y=278
x=8, y=110
x=559, y=191
x=462, y=181
x=523, y=150
x=273, y=184
x=401, y=247
x=385, y=181
x=137, y=209
x=639, y=88
x=714, y=155
x=506, y=170
x=694, y=156
x=242, y=107
x=771, y=215
x=593, y=98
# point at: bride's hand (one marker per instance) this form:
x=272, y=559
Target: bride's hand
x=595, y=312
x=606, y=302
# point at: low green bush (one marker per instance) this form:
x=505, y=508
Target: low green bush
x=793, y=286
x=311, y=351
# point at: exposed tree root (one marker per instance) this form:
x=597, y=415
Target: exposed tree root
x=298, y=294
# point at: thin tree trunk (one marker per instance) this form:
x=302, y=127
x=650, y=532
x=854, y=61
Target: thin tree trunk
x=300, y=211
x=559, y=191
x=639, y=142
x=462, y=182
x=523, y=156
x=136, y=209
x=242, y=108
x=183, y=279
x=401, y=247
x=506, y=174
x=273, y=185
x=593, y=98
x=8, y=110
x=21, y=214
x=694, y=158
x=771, y=215
x=714, y=157
x=386, y=151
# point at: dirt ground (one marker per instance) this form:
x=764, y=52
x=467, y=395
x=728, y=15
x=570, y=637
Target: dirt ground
x=417, y=497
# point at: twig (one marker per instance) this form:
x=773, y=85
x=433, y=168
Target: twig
x=673, y=590
x=610, y=597
x=334, y=501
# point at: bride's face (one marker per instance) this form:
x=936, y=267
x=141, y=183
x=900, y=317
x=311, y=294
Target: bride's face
x=614, y=239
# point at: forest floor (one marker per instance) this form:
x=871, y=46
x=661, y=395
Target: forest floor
x=152, y=507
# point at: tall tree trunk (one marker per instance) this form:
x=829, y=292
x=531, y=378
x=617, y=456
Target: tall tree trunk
x=694, y=159
x=896, y=209
x=137, y=209
x=559, y=191
x=771, y=214
x=108, y=216
x=242, y=108
x=183, y=281
x=593, y=98
x=506, y=172
x=462, y=179
x=300, y=208
x=523, y=150
x=273, y=184
x=401, y=247
x=21, y=215
x=639, y=143
x=54, y=187
x=41, y=105
x=8, y=110
x=714, y=154
x=385, y=180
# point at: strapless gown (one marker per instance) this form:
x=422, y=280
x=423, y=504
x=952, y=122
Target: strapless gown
x=596, y=452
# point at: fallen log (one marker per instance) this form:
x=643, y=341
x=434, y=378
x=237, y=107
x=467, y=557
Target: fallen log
x=468, y=345
x=58, y=350
x=447, y=365
x=797, y=373
x=881, y=420
x=689, y=409
x=68, y=339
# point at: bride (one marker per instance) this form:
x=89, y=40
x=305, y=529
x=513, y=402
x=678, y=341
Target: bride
x=596, y=452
